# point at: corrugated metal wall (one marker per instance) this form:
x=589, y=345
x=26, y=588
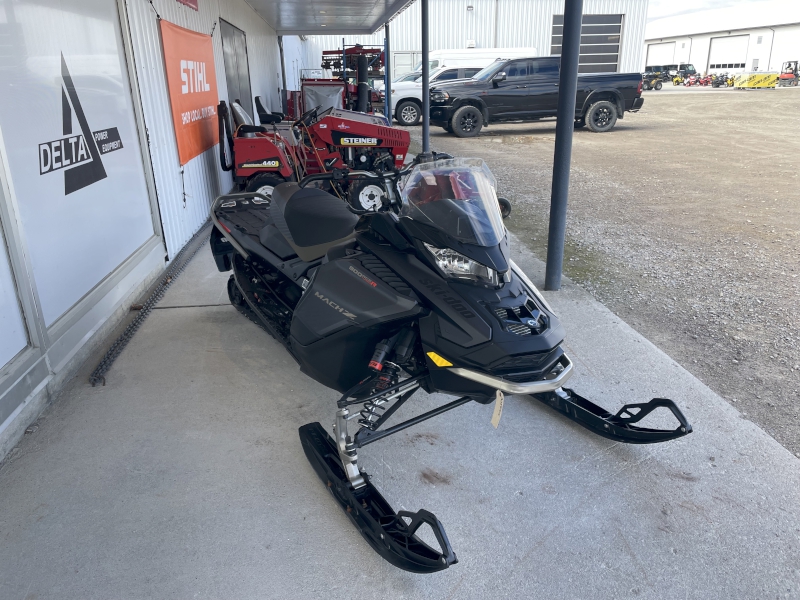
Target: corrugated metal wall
x=495, y=24
x=185, y=193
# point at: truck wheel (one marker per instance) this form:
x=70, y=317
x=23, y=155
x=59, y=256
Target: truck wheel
x=407, y=113
x=505, y=207
x=601, y=116
x=264, y=183
x=467, y=121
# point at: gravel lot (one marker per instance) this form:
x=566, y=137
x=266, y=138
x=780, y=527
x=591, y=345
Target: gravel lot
x=685, y=221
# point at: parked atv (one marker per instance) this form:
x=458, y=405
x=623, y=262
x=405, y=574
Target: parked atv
x=391, y=282
x=720, y=80
x=651, y=81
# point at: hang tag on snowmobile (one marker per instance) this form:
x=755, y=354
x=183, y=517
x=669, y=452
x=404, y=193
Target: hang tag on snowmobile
x=498, y=409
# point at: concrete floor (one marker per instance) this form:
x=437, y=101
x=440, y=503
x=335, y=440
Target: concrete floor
x=184, y=477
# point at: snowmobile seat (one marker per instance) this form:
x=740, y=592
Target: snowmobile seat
x=311, y=220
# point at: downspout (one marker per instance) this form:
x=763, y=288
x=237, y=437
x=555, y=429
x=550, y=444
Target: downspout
x=771, y=44
x=496, y=16
x=284, y=95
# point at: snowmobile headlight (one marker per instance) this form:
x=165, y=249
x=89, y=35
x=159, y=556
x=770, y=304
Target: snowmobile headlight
x=456, y=265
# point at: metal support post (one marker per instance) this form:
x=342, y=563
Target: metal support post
x=344, y=76
x=387, y=67
x=284, y=95
x=565, y=124
x=426, y=96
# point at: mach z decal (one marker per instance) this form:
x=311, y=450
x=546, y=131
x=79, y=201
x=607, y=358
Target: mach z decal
x=335, y=306
x=77, y=152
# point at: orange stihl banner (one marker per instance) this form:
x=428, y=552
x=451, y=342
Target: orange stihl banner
x=192, y=81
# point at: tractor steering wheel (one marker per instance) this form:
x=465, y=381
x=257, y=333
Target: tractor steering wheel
x=307, y=117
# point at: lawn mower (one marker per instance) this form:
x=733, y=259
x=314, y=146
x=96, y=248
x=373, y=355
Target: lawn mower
x=262, y=158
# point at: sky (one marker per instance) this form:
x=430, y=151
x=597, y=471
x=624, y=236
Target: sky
x=668, y=8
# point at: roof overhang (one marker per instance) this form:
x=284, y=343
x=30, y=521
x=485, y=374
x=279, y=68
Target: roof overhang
x=323, y=17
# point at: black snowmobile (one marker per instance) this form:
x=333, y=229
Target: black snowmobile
x=390, y=282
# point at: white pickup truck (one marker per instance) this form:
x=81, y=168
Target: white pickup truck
x=445, y=65
x=407, y=91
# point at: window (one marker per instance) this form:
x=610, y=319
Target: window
x=237, y=71
x=543, y=67
x=683, y=44
x=600, y=42
x=758, y=41
x=517, y=69
x=449, y=74
x=755, y=64
x=470, y=72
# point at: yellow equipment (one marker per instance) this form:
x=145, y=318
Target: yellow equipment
x=755, y=80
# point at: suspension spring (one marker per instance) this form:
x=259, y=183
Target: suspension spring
x=373, y=408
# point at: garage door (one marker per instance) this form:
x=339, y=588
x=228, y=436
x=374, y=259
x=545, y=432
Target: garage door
x=600, y=40
x=660, y=54
x=728, y=53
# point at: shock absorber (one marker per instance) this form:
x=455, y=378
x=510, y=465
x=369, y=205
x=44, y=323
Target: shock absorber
x=373, y=408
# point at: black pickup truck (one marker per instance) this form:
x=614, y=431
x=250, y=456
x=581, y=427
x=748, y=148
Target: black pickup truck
x=527, y=89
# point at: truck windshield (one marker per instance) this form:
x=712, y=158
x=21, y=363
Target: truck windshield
x=488, y=72
x=434, y=64
x=408, y=77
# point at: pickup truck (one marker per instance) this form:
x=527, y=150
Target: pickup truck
x=527, y=90
x=407, y=94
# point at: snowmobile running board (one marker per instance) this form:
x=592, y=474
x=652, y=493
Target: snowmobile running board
x=389, y=533
x=618, y=427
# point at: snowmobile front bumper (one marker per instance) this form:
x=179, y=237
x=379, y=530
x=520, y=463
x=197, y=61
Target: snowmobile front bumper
x=620, y=426
x=510, y=387
x=392, y=535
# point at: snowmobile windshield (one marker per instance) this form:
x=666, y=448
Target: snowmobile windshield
x=457, y=196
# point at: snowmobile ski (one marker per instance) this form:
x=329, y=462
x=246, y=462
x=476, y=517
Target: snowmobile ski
x=620, y=426
x=391, y=534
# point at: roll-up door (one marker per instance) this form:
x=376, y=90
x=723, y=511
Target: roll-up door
x=660, y=54
x=728, y=53
x=600, y=42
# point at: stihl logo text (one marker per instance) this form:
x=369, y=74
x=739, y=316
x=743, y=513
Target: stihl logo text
x=193, y=76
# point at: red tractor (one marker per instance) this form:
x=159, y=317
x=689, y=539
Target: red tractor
x=789, y=74
x=261, y=158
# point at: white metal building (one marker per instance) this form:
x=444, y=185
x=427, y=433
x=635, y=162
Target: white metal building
x=612, y=33
x=754, y=36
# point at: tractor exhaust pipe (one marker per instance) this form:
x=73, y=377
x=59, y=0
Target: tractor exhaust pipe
x=362, y=102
